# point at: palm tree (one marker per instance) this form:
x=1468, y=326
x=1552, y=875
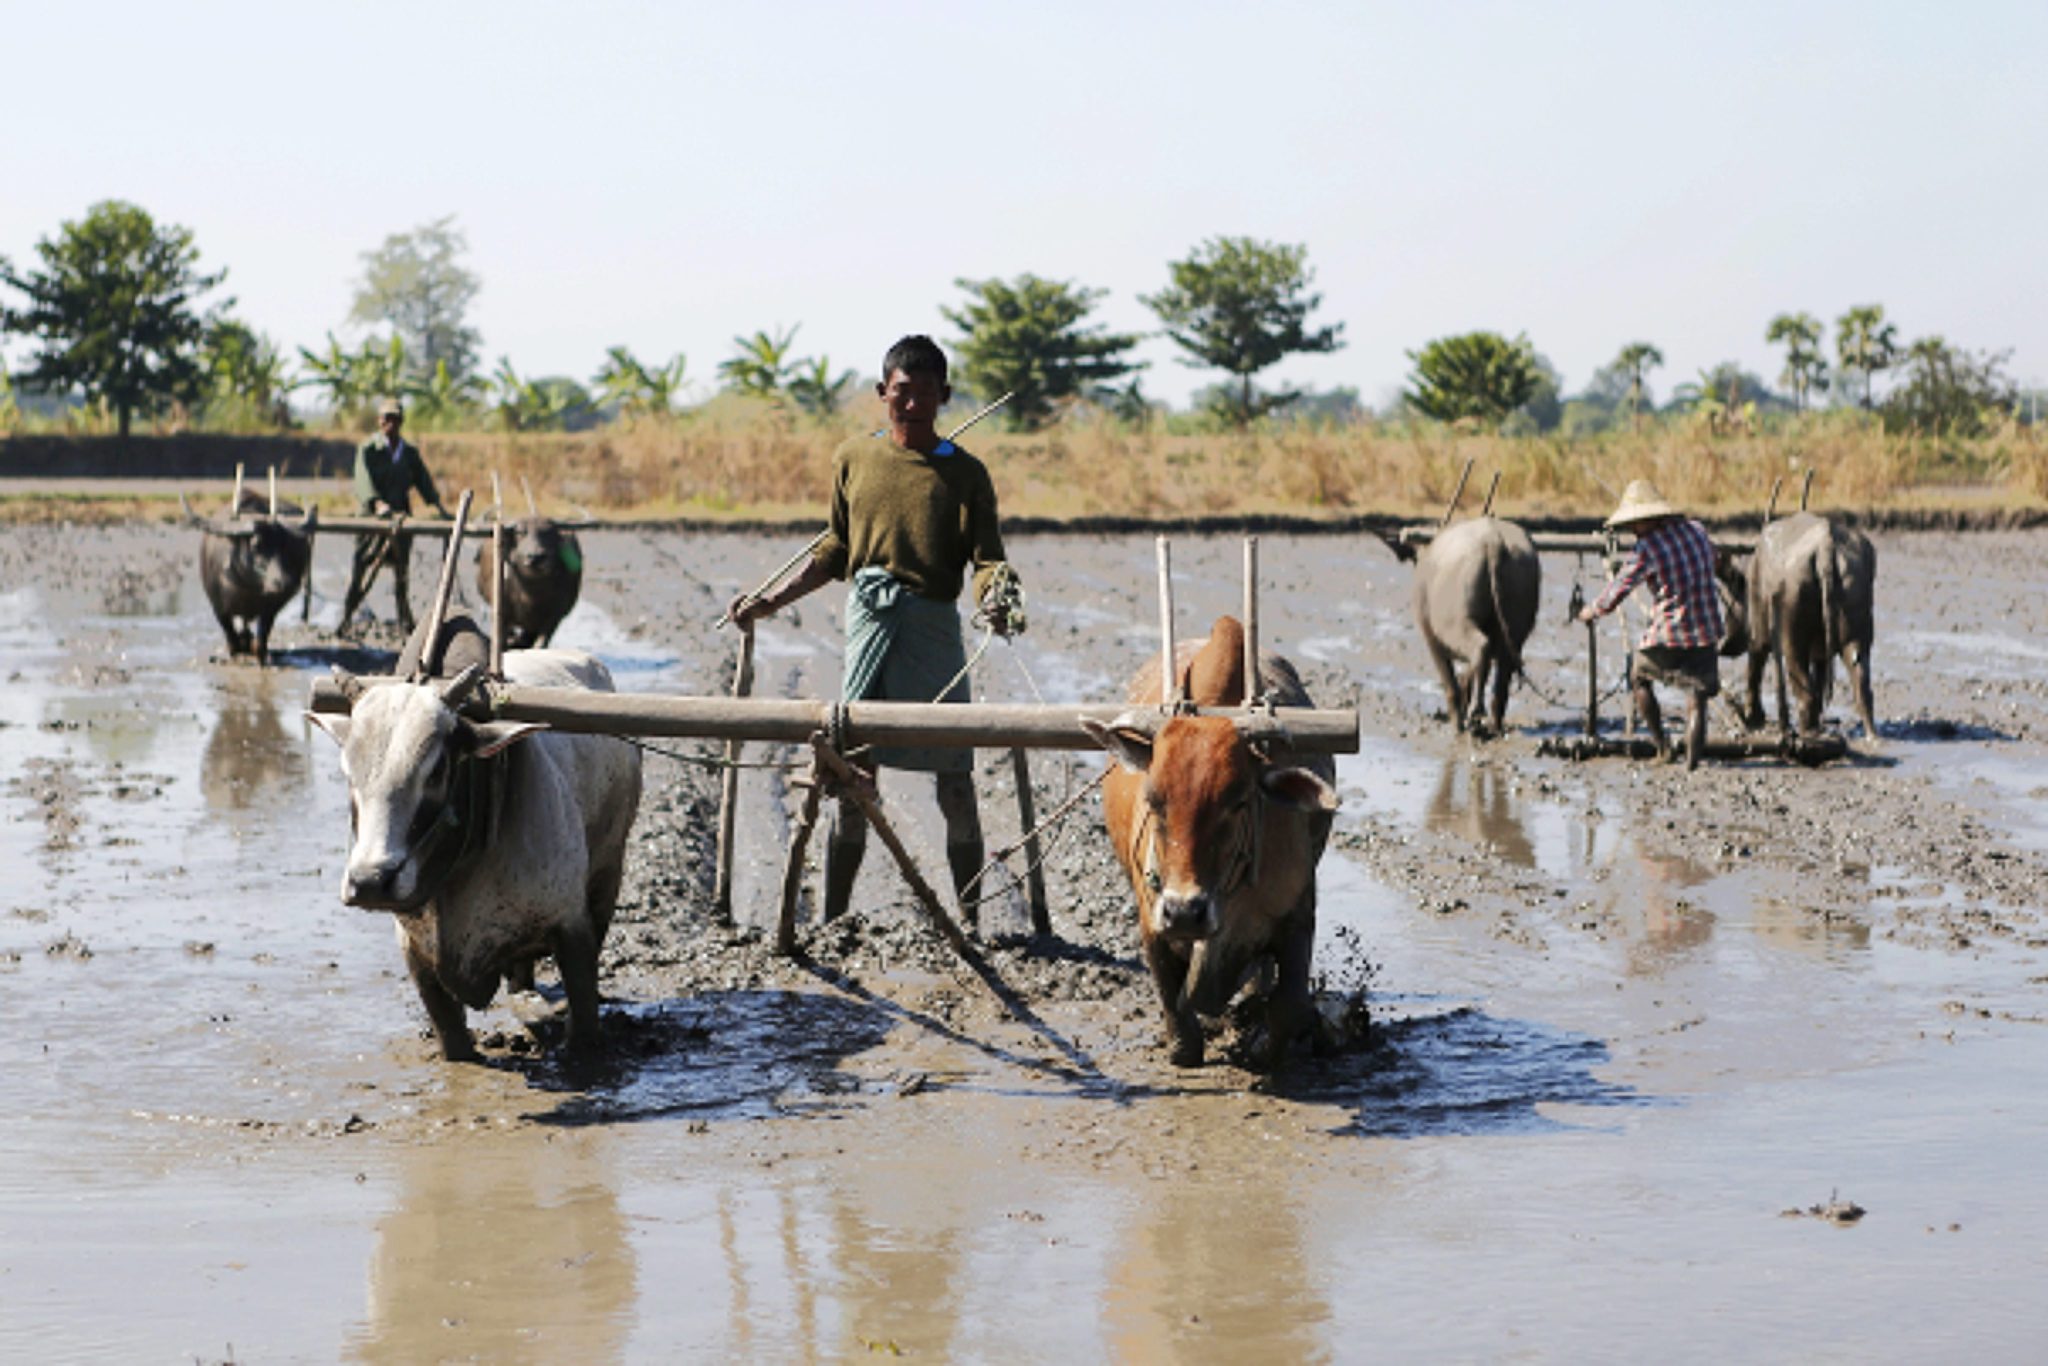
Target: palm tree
x=1805, y=369
x=1637, y=359
x=1866, y=343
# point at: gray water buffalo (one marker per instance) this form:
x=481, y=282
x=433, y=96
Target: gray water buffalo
x=494, y=843
x=1805, y=599
x=1476, y=589
x=251, y=567
x=544, y=574
x=1220, y=842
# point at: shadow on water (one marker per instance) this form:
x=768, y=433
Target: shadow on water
x=717, y=1056
x=1463, y=1073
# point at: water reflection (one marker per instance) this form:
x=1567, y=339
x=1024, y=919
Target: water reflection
x=1674, y=924
x=500, y=1250
x=1481, y=809
x=1214, y=1267
x=250, y=754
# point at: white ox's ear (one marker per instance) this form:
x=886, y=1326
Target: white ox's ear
x=1298, y=788
x=1130, y=743
x=492, y=736
x=335, y=726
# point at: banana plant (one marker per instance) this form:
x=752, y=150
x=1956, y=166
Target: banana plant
x=762, y=366
x=638, y=391
x=816, y=389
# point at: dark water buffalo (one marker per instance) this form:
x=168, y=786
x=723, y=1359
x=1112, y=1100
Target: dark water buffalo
x=1806, y=598
x=251, y=567
x=544, y=573
x=1476, y=589
x=495, y=843
x=1220, y=842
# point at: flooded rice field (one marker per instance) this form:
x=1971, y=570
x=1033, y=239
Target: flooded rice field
x=1641, y=1043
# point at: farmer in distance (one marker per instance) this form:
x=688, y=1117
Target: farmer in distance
x=1675, y=556
x=910, y=513
x=388, y=469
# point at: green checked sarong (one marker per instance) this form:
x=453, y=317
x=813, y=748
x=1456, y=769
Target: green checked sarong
x=902, y=647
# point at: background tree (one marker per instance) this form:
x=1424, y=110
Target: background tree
x=1479, y=375
x=550, y=404
x=114, y=311
x=1025, y=336
x=246, y=381
x=1240, y=305
x=1865, y=343
x=355, y=381
x=1636, y=360
x=445, y=401
x=1947, y=391
x=816, y=389
x=636, y=389
x=415, y=284
x=1806, y=368
x=761, y=365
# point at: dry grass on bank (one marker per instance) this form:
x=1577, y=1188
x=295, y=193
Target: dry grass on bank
x=746, y=460
x=771, y=464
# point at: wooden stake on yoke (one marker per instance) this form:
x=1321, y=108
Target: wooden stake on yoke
x=1806, y=489
x=1452, y=507
x=1771, y=508
x=497, y=596
x=1487, y=509
x=235, y=508
x=729, y=785
x=430, y=656
x=1253, y=689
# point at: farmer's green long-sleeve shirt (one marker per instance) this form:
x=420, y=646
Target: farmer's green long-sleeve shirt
x=924, y=518
x=381, y=478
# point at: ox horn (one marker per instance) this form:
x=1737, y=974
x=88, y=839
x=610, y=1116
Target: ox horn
x=458, y=690
x=1403, y=551
x=213, y=528
x=352, y=688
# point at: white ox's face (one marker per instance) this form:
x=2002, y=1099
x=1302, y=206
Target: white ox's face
x=399, y=746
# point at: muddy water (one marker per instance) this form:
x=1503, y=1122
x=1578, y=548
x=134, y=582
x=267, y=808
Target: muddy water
x=1614, y=1045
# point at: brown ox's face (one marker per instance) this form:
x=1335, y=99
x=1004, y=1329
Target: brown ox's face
x=1201, y=813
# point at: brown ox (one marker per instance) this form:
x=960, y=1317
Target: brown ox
x=1220, y=843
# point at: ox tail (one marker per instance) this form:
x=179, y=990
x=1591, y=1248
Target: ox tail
x=1512, y=652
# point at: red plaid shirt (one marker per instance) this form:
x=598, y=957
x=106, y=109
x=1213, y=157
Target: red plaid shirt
x=1677, y=558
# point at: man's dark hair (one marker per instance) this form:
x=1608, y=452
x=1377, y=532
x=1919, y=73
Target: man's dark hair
x=915, y=355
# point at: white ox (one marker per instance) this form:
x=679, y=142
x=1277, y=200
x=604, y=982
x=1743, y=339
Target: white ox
x=543, y=881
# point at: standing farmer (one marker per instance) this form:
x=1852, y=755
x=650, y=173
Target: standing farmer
x=1675, y=556
x=388, y=469
x=911, y=512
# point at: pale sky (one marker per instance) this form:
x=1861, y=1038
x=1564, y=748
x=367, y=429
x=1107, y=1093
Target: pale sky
x=666, y=176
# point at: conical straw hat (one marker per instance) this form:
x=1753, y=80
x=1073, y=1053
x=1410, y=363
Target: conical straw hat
x=1640, y=502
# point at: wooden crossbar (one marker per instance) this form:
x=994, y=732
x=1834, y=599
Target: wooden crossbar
x=972, y=725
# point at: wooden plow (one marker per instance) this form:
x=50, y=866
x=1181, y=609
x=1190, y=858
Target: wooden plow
x=830, y=731
x=1611, y=547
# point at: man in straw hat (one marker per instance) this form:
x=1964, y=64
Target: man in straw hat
x=1675, y=557
x=388, y=469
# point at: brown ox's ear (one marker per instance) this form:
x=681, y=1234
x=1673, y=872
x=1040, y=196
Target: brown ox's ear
x=1128, y=742
x=1298, y=788
x=488, y=737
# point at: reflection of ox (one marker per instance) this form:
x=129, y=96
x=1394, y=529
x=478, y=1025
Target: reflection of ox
x=543, y=575
x=1476, y=588
x=251, y=568
x=495, y=842
x=1805, y=599
x=1220, y=842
